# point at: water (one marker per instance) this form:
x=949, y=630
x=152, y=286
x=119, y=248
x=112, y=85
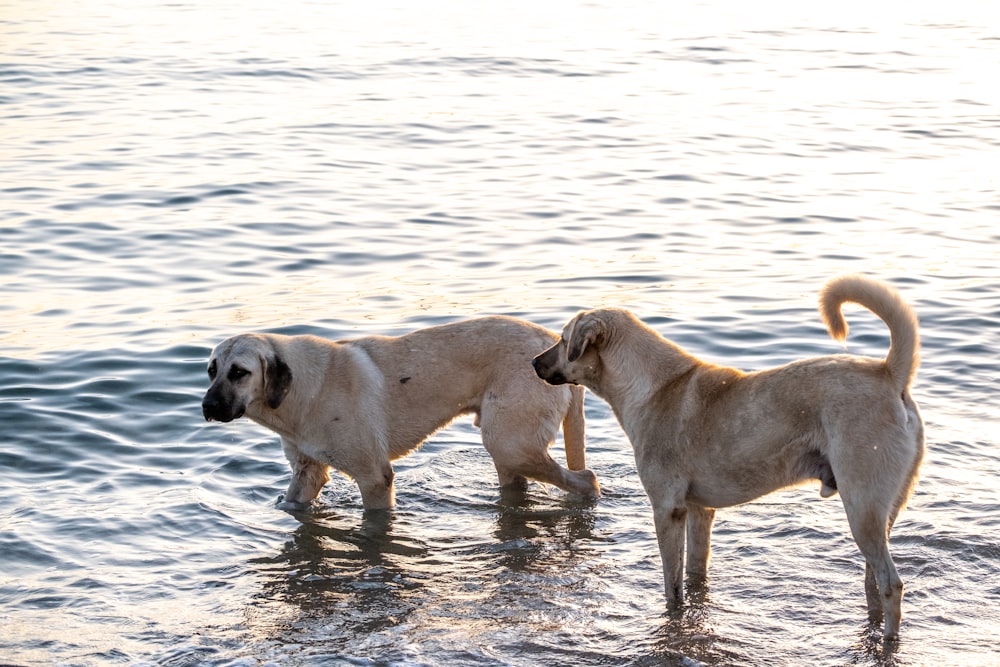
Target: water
x=174, y=173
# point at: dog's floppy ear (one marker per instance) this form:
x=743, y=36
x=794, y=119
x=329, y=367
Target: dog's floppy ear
x=587, y=331
x=277, y=380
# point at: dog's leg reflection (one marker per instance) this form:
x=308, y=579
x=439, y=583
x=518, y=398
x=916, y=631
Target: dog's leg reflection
x=375, y=525
x=515, y=494
x=684, y=635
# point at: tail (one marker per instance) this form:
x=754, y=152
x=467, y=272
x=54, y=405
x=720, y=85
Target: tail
x=884, y=301
x=573, y=431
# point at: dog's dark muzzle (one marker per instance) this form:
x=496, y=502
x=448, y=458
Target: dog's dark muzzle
x=543, y=371
x=217, y=409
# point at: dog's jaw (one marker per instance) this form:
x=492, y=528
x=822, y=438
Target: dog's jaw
x=546, y=370
x=552, y=377
x=556, y=378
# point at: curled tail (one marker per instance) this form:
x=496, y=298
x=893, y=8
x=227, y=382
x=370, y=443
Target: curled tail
x=884, y=301
x=573, y=431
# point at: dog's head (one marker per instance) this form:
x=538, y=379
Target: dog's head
x=576, y=358
x=245, y=371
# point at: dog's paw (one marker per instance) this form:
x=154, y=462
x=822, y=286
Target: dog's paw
x=292, y=507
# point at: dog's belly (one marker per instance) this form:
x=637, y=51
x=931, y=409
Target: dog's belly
x=727, y=488
x=716, y=497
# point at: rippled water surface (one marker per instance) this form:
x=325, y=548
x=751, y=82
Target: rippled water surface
x=174, y=173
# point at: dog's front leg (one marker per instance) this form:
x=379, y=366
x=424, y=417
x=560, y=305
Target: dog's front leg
x=308, y=478
x=670, y=519
x=699, y=540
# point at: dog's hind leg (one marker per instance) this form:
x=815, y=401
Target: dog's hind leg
x=883, y=586
x=543, y=468
x=874, y=482
x=377, y=486
x=875, y=614
x=520, y=450
x=510, y=479
x=699, y=540
x=582, y=482
x=889, y=591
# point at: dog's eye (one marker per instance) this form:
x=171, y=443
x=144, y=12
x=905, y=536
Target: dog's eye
x=213, y=370
x=237, y=373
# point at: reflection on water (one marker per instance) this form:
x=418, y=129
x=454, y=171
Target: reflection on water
x=360, y=580
x=345, y=586
x=345, y=575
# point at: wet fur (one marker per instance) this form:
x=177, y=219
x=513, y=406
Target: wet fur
x=708, y=436
x=357, y=405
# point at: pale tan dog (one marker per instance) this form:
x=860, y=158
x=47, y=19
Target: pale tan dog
x=356, y=405
x=707, y=436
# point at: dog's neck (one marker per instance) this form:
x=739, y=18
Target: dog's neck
x=637, y=362
x=271, y=419
x=279, y=419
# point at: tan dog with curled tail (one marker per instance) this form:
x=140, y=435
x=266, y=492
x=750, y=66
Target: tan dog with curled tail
x=708, y=436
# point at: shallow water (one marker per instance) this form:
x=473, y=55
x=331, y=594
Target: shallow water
x=175, y=173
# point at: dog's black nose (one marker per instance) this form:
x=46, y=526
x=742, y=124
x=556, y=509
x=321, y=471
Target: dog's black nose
x=209, y=407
